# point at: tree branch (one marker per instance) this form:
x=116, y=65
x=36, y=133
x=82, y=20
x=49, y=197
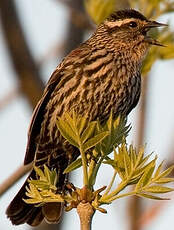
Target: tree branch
x=30, y=81
x=15, y=176
x=85, y=212
x=135, y=202
x=9, y=97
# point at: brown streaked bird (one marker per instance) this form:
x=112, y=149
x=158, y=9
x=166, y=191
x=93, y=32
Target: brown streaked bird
x=102, y=74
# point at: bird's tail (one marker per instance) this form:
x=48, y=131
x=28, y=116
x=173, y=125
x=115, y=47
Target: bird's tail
x=19, y=212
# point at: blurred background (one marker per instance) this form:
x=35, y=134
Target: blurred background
x=34, y=37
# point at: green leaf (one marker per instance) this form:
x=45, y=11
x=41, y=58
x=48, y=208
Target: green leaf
x=40, y=184
x=147, y=175
x=117, y=130
x=54, y=199
x=164, y=180
x=33, y=191
x=88, y=132
x=151, y=196
x=94, y=140
x=67, y=132
x=32, y=201
x=47, y=173
x=158, y=189
x=127, y=163
x=81, y=124
x=54, y=177
x=110, y=162
x=133, y=155
x=139, y=156
x=71, y=121
x=74, y=165
x=157, y=172
x=39, y=172
x=166, y=172
x=143, y=161
x=109, y=122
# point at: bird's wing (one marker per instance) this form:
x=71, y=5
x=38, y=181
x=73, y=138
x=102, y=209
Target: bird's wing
x=38, y=115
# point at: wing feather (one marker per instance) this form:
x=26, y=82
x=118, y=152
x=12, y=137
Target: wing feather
x=37, y=117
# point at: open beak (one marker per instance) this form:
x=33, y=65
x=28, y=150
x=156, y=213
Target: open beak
x=148, y=26
x=154, y=24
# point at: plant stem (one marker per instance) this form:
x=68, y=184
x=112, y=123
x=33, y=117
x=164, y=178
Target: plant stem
x=85, y=212
x=111, y=183
x=93, y=171
x=120, y=196
x=121, y=186
x=84, y=165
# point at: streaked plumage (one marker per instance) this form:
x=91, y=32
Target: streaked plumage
x=102, y=74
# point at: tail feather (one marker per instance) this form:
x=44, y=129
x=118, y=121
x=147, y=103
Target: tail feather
x=19, y=212
x=35, y=217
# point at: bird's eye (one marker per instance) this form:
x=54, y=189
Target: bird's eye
x=133, y=24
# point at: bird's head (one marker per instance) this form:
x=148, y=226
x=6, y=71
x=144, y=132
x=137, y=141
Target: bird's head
x=130, y=28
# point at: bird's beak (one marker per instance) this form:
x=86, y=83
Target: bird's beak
x=154, y=24
x=148, y=26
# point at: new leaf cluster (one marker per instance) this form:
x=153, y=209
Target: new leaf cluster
x=96, y=142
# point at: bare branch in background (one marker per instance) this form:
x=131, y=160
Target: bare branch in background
x=8, y=98
x=154, y=211
x=15, y=176
x=30, y=81
x=80, y=18
x=135, y=208
x=52, y=52
x=75, y=33
x=142, y=111
x=151, y=213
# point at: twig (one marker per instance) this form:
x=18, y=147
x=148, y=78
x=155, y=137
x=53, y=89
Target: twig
x=11, y=180
x=85, y=212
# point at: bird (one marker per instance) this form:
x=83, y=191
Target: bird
x=102, y=75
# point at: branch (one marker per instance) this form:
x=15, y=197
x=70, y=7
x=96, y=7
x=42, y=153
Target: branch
x=15, y=176
x=30, y=81
x=74, y=31
x=135, y=202
x=85, y=212
x=142, y=111
x=9, y=97
x=153, y=212
x=80, y=18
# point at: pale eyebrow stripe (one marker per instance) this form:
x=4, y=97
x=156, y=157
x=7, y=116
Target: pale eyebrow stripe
x=119, y=22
